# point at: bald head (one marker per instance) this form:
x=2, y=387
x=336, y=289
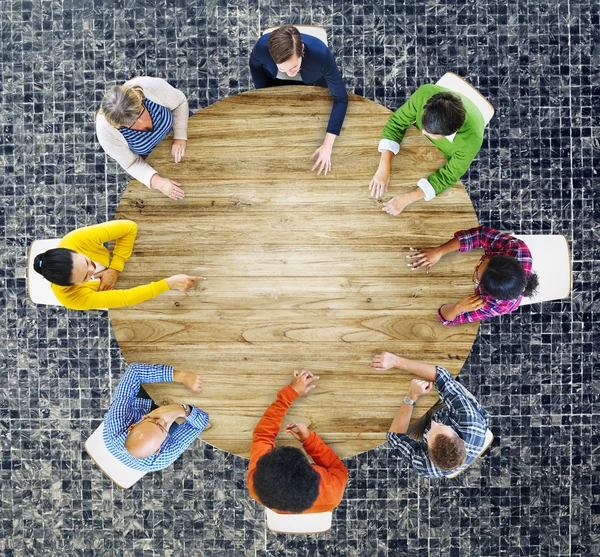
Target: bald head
x=144, y=439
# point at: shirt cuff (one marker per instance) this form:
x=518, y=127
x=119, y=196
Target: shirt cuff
x=117, y=263
x=197, y=418
x=310, y=440
x=389, y=145
x=441, y=319
x=427, y=188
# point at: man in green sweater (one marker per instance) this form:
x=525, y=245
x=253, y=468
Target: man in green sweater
x=450, y=121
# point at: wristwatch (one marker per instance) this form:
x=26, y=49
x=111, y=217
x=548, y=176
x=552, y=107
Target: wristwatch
x=188, y=409
x=408, y=400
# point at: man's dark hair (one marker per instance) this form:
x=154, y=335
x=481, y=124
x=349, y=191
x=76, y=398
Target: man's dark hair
x=504, y=278
x=447, y=452
x=284, y=42
x=55, y=265
x=284, y=480
x=443, y=114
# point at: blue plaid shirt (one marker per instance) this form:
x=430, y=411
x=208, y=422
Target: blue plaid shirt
x=126, y=409
x=462, y=413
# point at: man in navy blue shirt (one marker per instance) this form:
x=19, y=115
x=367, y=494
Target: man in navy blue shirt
x=287, y=57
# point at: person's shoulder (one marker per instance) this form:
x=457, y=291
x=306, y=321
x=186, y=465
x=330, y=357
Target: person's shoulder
x=317, y=47
x=427, y=90
x=261, y=47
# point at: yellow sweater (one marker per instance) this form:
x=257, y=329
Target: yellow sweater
x=89, y=241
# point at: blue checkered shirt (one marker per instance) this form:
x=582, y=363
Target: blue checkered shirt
x=127, y=409
x=462, y=413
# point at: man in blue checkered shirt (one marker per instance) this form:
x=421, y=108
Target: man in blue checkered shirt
x=450, y=436
x=142, y=435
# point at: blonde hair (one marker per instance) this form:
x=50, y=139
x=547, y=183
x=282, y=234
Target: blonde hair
x=121, y=105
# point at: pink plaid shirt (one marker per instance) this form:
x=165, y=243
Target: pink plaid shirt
x=494, y=243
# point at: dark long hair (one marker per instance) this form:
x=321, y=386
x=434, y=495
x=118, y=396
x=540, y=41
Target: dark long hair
x=505, y=279
x=55, y=265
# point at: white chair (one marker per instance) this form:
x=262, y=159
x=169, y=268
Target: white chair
x=489, y=438
x=112, y=467
x=39, y=289
x=453, y=82
x=311, y=523
x=312, y=30
x=552, y=264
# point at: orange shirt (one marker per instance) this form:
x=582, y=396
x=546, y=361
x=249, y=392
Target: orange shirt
x=334, y=475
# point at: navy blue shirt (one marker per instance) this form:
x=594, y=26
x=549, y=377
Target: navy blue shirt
x=318, y=68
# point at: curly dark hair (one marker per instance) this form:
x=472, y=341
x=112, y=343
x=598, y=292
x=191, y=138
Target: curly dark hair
x=447, y=452
x=505, y=279
x=285, y=481
x=443, y=114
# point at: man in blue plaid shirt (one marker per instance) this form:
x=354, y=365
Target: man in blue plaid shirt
x=450, y=436
x=142, y=435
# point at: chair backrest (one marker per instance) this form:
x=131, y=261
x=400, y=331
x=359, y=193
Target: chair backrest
x=552, y=264
x=311, y=523
x=489, y=438
x=455, y=83
x=112, y=467
x=39, y=289
x=313, y=31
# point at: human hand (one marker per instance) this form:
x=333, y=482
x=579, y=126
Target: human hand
x=301, y=381
x=299, y=431
x=418, y=388
x=380, y=181
x=425, y=257
x=168, y=412
x=384, y=361
x=178, y=149
x=182, y=282
x=108, y=278
x=473, y=302
x=397, y=204
x=324, y=158
x=192, y=381
x=169, y=187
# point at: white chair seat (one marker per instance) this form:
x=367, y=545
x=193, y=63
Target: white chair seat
x=489, y=438
x=112, y=467
x=312, y=30
x=39, y=289
x=311, y=523
x=453, y=82
x=552, y=264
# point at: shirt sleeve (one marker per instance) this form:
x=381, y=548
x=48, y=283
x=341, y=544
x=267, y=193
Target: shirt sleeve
x=487, y=238
x=123, y=231
x=267, y=429
x=119, y=415
x=413, y=452
x=258, y=72
x=116, y=147
x=452, y=171
x=404, y=117
x=86, y=296
x=337, y=88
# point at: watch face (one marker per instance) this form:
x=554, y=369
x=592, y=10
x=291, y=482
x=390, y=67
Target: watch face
x=409, y=400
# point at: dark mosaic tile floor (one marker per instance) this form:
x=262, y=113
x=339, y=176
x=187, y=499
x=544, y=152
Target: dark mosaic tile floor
x=536, y=494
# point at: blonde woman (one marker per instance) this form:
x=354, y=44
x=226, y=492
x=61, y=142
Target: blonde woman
x=134, y=118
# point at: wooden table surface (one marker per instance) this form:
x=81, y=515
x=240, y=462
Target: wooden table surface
x=304, y=271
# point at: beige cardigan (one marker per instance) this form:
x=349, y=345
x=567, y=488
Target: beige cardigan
x=115, y=145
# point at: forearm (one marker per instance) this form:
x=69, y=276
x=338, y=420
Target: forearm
x=426, y=371
x=449, y=312
x=449, y=246
x=329, y=139
x=385, y=161
x=402, y=419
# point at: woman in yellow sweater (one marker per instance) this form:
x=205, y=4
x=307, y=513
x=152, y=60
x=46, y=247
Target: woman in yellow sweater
x=81, y=256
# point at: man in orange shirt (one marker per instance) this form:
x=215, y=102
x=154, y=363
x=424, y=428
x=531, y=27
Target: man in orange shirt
x=281, y=478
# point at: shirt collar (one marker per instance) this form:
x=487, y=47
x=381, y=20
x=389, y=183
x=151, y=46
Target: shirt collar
x=450, y=138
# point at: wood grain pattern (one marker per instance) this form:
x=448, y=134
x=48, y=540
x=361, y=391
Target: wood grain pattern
x=304, y=271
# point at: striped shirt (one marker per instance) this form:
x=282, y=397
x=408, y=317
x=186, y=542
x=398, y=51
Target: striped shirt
x=494, y=243
x=142, y=142
x=126, y=409
x=462, y=413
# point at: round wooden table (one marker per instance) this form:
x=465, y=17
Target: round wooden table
x=304, y=271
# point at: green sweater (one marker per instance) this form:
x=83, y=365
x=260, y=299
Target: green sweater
x=460, y=152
